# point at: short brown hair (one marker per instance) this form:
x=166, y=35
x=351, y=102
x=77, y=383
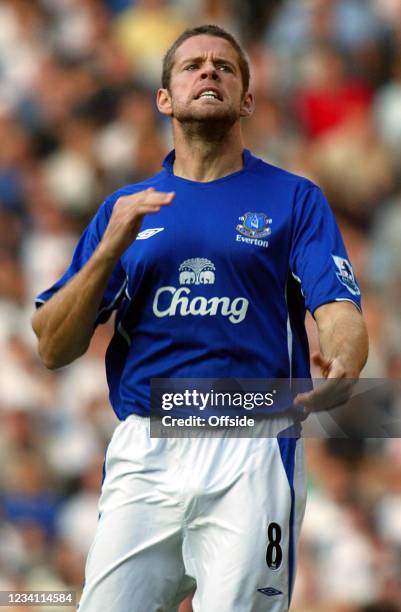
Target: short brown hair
x=209, y=30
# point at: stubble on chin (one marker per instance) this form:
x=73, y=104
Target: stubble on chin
x=208, y=124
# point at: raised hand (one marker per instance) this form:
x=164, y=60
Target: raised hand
x=127, y=217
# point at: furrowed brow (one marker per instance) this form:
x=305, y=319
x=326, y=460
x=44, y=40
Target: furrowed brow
x=200, y=59
x=191, y=60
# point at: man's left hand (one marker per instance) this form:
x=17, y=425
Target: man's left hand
x=335, y=392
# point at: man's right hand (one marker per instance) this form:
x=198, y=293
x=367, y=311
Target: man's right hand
x=65, y=324
x=127, y=217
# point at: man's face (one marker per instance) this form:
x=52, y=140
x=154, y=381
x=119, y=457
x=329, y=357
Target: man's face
x=206, y=83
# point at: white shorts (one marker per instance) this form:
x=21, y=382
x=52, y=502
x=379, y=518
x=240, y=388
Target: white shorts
x=221, y=515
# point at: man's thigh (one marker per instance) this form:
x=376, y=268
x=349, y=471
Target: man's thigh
x=135, y=562
x=134, y=568
x=242, y=546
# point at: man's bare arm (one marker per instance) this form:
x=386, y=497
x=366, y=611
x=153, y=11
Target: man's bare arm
x=65, y=324
x=343, y=340
x=343, y=353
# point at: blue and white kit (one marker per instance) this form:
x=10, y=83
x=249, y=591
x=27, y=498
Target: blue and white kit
x=216, y=285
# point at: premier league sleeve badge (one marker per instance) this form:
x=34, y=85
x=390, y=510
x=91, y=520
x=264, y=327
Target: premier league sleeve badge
x=345, y=274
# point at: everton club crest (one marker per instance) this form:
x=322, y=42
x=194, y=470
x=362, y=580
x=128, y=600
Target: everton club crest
x=254, y=225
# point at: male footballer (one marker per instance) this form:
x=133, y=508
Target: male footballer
x=210, y=266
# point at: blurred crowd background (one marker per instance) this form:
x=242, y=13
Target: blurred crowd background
x=78, y=120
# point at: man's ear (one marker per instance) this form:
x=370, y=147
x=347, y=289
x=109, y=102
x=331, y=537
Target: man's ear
x=163, y=101
x=247, y=105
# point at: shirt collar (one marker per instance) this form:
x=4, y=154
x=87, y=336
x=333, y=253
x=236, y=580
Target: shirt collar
x=168, y=161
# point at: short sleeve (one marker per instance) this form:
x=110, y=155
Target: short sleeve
x=87, y=244
x=318, y=257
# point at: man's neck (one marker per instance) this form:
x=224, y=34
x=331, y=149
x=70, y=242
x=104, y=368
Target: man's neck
x=202, y=159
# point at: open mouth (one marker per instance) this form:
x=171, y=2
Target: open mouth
x=209, y=94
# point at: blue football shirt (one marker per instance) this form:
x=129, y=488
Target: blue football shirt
x=216, y=285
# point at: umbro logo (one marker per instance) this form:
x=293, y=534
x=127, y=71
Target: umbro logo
x=269, y=591
x=148, y=233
